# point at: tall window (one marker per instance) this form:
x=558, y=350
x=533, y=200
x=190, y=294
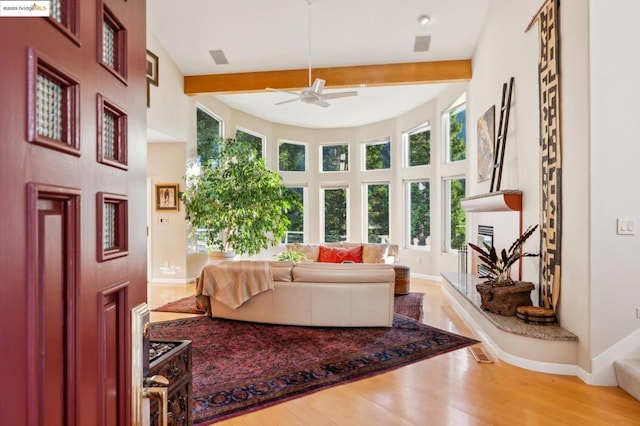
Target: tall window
x=454, y=216
x=418, y=147
x=335, y=214
x=335, y=158
x=419, y=212
x=208, y=131
x=295, y=233
x=377, y=155
x=253, y=139
x=377, y=212
x=292, y=157
x=454, y=126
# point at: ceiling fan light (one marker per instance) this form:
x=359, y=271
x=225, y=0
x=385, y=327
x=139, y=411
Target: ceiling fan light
x=423, y=19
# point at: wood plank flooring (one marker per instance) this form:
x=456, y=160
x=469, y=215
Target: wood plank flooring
x=450, y=389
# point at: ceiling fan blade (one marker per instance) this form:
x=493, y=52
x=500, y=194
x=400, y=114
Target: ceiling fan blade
x=321, y=104
x=339, y=95
x=287, y=101
x=283, y=91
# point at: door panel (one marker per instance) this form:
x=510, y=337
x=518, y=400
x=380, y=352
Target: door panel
x=64, y=308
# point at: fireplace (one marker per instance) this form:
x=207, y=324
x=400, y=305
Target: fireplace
x=485, y=238
x=494, y=219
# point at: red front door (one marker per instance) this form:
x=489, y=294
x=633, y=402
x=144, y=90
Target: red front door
x=72, y=210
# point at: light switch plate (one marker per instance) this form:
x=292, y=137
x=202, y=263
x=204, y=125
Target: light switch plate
x=625, y=226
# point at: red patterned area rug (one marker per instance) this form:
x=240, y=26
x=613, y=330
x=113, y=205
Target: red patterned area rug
x=239, y=367
x=186, y=305
x=409, y=305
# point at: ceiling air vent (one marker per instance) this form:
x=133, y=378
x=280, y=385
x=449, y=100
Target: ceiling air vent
x=422, y=44
x=218, y=57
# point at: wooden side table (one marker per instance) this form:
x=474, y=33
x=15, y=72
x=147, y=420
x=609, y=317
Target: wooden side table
x=403, y=281
x=175, y=365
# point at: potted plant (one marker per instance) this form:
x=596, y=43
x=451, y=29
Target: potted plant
x=236, y=202
x=499, y=293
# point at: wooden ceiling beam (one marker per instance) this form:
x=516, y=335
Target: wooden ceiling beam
x=336, y=77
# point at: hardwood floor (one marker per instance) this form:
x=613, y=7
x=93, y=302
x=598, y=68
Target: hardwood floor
x=450, y=389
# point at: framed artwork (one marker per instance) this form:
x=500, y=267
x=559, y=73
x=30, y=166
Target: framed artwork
x=152, y=68
x=167, y=197
x=486, y=141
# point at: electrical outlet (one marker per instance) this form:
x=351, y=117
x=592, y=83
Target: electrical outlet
x=637, y=312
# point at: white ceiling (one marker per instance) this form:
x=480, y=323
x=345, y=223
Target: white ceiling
x=265, y=35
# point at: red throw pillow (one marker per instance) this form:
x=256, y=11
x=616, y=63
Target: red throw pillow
x=340, y=254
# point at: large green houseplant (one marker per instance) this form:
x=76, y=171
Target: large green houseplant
x=499, y=293
x=235, y=201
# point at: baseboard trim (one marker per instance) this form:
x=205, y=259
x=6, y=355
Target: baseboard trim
x=427, y=277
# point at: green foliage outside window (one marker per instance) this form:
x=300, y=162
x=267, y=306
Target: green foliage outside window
x=207, y=135
x=377, y=212
x=458, y=228
x=295, y=233
x=335, y=215
x=253, y=141
x=420, y=148
x=457, y=134
x=420, y=194
x=378, y=156
x=335, y=158
x=291, y=157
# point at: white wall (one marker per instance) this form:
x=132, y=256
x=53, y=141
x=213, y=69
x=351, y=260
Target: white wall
x=166, y=164
x=506, y=51
x=168, y=127
x=614, y=173
x=575, y=293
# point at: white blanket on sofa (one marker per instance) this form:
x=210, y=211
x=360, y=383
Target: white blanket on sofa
x=233, y=282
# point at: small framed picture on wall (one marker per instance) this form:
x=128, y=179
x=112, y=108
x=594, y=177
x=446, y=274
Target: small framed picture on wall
x=167, y=197
x=152, y=68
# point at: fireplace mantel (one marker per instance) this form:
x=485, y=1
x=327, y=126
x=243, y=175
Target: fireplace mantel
x=500, y=201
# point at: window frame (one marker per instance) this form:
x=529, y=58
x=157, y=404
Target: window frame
x=446, y=212
x=367, y=144
x=459, y=103
x=213, y=116
x=323, y=190
x=365, y=205
x=263, y=139
x=305, y=215
x=346, y=162
x=408, y=239
x=306, y=155
x=406, y=148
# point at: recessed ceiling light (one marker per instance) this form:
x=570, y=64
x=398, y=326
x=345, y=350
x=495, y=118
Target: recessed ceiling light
x=424, y=19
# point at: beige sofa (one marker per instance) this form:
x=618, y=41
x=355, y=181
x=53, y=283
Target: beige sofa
x=316, y=294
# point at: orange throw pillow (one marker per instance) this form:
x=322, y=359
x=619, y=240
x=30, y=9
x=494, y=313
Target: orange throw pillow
x=340, y=254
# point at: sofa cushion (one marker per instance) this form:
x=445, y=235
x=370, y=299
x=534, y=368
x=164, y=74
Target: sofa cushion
x=340, y=254
x=310, y=251
x=375, y=253
x=281, y=270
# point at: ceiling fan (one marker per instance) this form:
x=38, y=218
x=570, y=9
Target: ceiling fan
x=314, y=94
